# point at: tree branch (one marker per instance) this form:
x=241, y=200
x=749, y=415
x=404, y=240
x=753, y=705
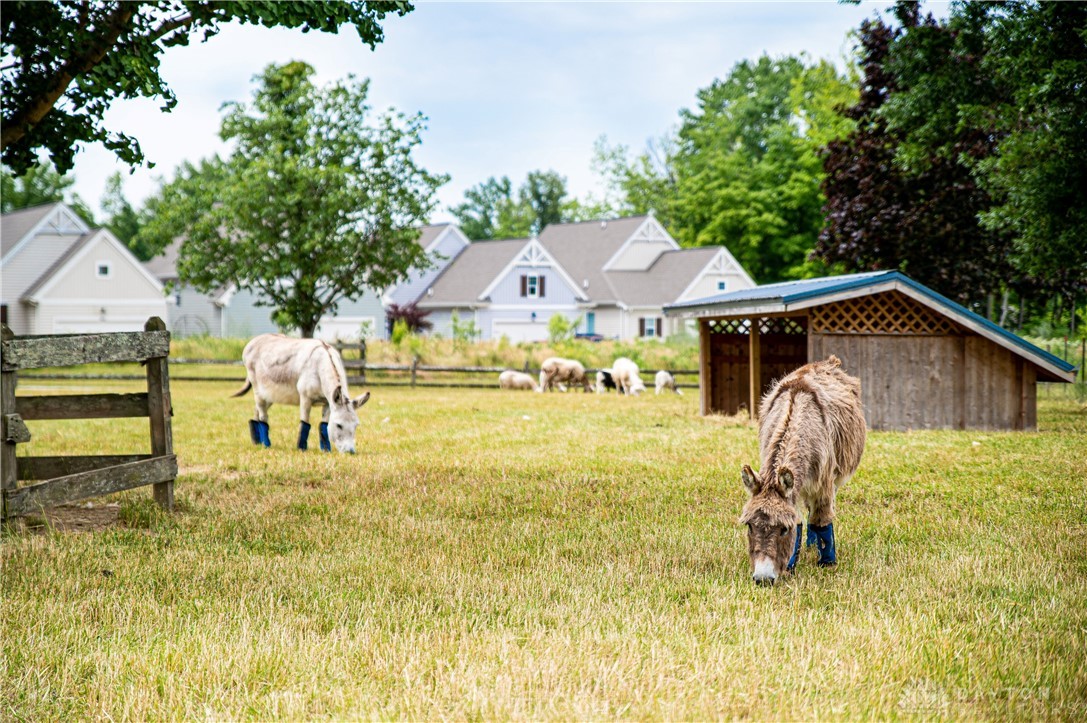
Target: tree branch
x=36, y=108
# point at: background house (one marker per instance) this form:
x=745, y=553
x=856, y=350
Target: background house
x=57, y=275
x=233, y=312
x=616, y=276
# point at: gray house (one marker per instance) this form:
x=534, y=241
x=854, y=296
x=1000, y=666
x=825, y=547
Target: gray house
x=57, y=275
x=616, y=276
x=233, y=312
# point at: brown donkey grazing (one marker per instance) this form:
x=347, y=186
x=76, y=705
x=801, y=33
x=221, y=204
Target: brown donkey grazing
x=811, y=437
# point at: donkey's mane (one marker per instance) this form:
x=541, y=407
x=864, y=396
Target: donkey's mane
x=335, y=370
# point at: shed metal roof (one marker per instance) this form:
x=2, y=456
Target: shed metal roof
x=794, y=295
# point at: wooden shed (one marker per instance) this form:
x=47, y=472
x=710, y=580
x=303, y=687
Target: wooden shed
x=924, y=361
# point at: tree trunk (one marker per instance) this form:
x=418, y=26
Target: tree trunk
x=307, y=329
x=1004, y=309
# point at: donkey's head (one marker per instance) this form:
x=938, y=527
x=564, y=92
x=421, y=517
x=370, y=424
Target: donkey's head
x=771, y=519
x=343, y=419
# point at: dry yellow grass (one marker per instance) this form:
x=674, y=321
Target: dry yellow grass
x=511, y=555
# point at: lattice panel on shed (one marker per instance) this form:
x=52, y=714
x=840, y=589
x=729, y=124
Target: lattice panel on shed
x=890, y=312
x=783, y=325
x=775, y=325
x=727, y=326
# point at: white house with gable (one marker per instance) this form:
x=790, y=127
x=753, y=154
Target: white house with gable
x=57, y=275
x=614, y=275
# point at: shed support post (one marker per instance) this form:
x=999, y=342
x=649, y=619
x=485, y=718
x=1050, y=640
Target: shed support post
x=754, y=364
x=160, y=410
x=705, y=381
x=8, y=473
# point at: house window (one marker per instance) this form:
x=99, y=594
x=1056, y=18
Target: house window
x=649, y=326
x=3, y=313
x=533, y=286
x=103, y=269
x=721, y=285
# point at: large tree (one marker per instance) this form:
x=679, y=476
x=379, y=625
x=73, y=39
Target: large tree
x=970, y=151
x=40, y=184
x=65, y=62
x=319, y=201
x=492, y=209
x=743, y=168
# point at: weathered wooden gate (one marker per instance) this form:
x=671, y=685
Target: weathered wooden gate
x=62, y=479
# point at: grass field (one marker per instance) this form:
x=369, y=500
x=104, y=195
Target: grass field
x=510, y=555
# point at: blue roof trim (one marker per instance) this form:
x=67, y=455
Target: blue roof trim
x=790, y=292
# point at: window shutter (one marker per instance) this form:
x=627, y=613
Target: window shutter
x=641, y=326
x=524, y=285
x=660, y=326
x=541, y=281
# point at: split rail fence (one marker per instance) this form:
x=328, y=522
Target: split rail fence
x=361, y=372
x=69, y=478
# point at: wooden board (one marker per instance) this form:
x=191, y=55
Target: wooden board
x=935, y=382
x=82, y=406
x=42, y=468
x=34, y=352
x=94, y=483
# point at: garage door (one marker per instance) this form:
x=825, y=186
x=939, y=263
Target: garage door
x=96, y=326
x=519, y=330
x=344, y=328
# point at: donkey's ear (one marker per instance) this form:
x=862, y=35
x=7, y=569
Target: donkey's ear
x=337, y=396
x=785, y=477
x=751, y=480
x=359, y=401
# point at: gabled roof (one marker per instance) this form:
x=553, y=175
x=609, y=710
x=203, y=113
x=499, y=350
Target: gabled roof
x=428, y=234
x=464, y=280
x=795, y=295
x=16, y=225
x=164, y=266
x=583, y=249
x=665, y=280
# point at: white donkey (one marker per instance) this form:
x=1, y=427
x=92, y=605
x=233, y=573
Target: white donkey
x=284, y=370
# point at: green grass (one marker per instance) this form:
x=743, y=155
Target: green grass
x=511, y=555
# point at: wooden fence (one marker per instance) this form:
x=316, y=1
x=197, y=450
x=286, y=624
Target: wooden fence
x=361, y=372
x=67, y=478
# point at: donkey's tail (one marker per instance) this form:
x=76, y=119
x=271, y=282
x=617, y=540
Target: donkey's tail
x=245, y=388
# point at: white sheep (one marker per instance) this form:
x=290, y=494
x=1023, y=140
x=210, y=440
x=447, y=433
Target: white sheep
x=516, y=380
x=625, y=374
x=667, y=381
x=556, y=370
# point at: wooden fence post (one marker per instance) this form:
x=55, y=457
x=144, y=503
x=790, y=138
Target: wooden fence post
x=362, y=360
x=414, y=369
x=160, y=409
x=8, y=474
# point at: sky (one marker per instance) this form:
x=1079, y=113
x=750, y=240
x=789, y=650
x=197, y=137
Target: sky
x=507, y=87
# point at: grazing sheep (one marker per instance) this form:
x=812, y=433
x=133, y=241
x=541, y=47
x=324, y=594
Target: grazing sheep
x=516, y=380
x=625, y=373
x=604, y=381
x=665, y=380
x=556, y=370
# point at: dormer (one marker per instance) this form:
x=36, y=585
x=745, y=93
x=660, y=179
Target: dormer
x=643, y=247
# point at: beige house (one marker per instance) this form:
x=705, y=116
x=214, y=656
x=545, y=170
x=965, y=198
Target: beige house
x=57, y=275
x=616, y=276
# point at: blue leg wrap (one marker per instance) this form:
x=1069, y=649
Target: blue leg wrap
x=254, y=431
x=326, y=444
x=262, y=429
x=796, y=548
x=811, y=537
x=303, y=435
x=825, y=544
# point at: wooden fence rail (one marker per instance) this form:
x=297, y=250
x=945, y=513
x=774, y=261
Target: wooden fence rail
x=70, y=478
